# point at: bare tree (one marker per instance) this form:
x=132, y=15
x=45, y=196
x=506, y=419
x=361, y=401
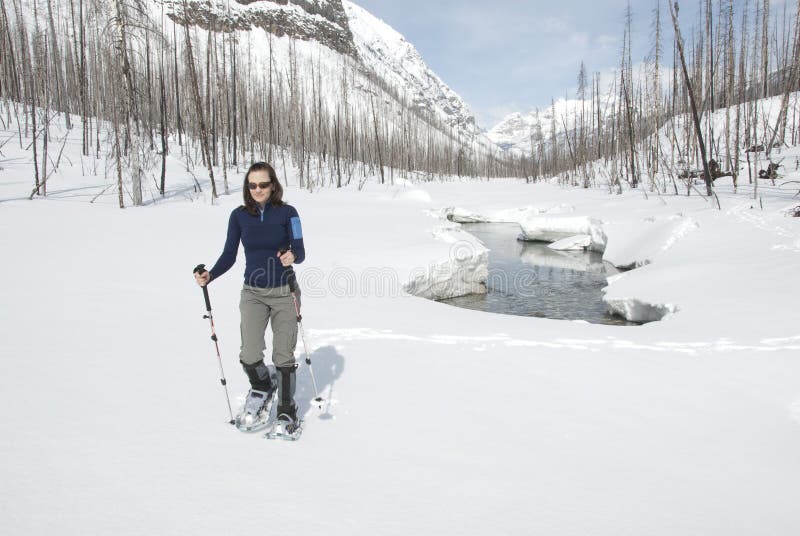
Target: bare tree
x=698, y=130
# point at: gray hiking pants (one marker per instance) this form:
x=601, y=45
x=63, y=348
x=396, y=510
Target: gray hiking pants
x=260, y=306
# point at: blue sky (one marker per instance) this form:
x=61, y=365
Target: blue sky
x=503, y=56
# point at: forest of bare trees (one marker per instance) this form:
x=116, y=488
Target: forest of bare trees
x=143, y=85
x=146, y=85
x=734, y=55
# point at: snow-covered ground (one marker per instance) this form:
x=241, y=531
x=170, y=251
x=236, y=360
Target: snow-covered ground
x=440, y=420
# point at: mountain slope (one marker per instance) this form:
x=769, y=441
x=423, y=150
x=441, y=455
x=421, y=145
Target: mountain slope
x=349, y=30
x=394, y=59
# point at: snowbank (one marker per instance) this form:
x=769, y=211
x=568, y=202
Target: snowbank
x=637, y=243
x=635, y=309
x=554, y=228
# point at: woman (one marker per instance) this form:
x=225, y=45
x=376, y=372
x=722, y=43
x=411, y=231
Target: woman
x=272, y=237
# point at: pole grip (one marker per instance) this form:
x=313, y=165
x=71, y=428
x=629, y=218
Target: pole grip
x=208, y=301
x=201, y=269
x=291, y=278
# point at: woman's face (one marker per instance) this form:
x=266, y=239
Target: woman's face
x=256, y=180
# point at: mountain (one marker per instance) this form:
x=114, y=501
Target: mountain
x=349, y=30
x=514, y=132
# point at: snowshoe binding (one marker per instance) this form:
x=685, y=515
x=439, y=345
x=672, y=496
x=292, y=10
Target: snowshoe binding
x=254, y=415
x=286, y=426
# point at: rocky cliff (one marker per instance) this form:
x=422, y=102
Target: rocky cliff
x=324, y=21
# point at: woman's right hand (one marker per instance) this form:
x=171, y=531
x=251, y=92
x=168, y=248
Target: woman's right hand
x=202, y=278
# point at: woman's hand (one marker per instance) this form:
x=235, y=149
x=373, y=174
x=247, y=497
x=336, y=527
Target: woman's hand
x=287, y=258
x=202, y=279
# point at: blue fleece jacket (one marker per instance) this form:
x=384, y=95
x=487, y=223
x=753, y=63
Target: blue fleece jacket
x=273, y=229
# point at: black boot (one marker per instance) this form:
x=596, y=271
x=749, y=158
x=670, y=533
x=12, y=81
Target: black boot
x=287, y=409
x=259, y=376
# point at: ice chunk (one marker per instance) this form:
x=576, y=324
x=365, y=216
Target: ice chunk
x=554, y=228
x=572, y=243
x=464, y=272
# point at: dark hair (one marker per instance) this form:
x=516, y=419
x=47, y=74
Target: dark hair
x=275, y=196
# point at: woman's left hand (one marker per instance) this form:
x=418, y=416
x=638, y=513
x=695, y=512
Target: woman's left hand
x=287, y=258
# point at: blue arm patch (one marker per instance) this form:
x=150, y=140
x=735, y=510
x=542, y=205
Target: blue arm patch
x=297, y=230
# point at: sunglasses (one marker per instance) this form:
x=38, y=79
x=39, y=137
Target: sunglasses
x=262, y=185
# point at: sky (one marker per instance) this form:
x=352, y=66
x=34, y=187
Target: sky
x=509, y=56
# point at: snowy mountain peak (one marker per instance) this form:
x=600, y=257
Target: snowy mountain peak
x=514, y=132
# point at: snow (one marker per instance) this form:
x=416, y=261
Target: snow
x=439, y=419
x=413, y=196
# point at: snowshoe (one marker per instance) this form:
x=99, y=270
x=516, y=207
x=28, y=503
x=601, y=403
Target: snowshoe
x=254, y=415
x=286, y=425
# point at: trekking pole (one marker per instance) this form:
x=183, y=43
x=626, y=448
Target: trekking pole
x=293, y=288
x=201, y=269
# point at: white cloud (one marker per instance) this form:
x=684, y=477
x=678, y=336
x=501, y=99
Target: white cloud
x=485, y=26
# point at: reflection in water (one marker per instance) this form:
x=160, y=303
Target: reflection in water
x=530, y=279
